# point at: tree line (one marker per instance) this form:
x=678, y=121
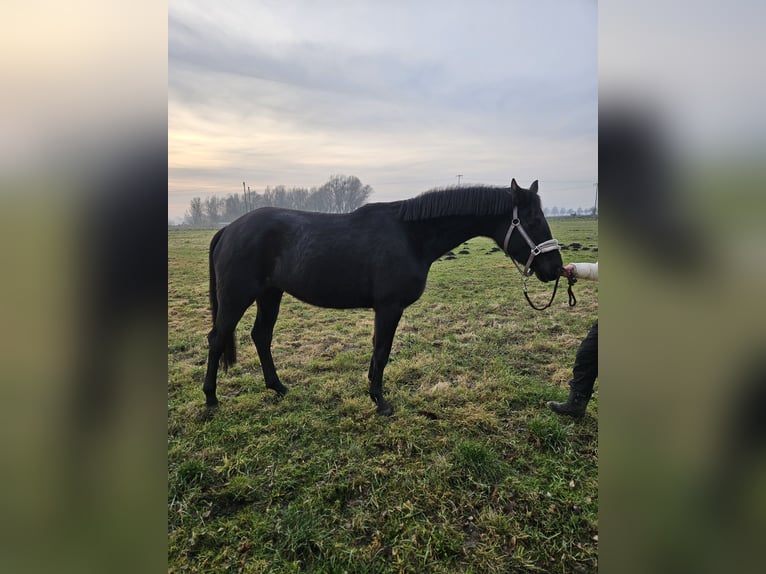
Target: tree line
x=340, y=194
x=554, y=211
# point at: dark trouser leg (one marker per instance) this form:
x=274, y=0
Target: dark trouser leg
x=585, y=368
x=584, y=372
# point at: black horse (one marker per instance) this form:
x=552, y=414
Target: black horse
x=375, y=257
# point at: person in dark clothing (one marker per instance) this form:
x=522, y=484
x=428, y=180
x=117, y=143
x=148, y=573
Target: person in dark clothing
x=585, y=368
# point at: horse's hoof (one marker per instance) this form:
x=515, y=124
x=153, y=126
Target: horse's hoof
x=211, y=403
x=279, y=388
x=385, y=409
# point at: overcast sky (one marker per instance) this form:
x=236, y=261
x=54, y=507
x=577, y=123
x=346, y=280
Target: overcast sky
x=404, y=95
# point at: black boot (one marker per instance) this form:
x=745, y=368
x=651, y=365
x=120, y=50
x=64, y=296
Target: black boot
x=574, y=405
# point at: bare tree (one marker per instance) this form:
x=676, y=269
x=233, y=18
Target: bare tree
x=279, y=196
x=319, y=200
x=298, y=198
x=195, y=216
x=346, y=193
x=340, y=194
x=233, y=207
x=213, y=209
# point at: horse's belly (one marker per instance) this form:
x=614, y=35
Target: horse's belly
x=341, y=282
x=332, y=297
x=330, y=288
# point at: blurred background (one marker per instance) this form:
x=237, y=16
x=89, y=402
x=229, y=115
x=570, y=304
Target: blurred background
x=83, y=179
x=682, y=432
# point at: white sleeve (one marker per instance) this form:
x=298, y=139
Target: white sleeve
x=586, y=271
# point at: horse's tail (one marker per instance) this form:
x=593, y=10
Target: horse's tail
x=229, y=356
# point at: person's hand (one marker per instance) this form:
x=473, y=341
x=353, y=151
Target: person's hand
x=568, y=270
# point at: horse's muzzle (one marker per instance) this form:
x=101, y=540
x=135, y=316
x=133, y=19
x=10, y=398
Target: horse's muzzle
x=548, y=271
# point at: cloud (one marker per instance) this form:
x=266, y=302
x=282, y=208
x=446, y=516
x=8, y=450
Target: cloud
x=272, y=94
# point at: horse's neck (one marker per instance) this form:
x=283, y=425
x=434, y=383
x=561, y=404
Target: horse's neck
x=438, y=236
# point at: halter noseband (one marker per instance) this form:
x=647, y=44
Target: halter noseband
x=534, y=251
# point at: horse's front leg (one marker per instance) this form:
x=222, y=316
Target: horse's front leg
x=386, y=320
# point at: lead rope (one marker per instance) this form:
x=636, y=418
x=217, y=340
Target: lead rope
x=572, y=299
x=524, y=288
x=570, y=292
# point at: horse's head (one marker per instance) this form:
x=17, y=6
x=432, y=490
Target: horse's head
x=527, y=238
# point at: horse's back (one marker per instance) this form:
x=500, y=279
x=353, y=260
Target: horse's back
x=342, y=260
x=331, y=260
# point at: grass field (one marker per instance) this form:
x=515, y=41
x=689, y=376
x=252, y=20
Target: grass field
x=472, y=473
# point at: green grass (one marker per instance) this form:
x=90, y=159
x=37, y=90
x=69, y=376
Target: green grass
x=471, y=474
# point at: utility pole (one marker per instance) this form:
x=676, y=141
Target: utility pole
x=458, y=179
x=595, y=201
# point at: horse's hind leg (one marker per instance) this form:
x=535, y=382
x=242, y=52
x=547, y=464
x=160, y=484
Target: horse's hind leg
x=221, y=343
x=215, y=350
x=386, y=321
x=372, y=361
x=263, y=330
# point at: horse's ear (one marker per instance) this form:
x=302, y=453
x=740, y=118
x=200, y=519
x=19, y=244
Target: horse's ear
x=533, y=187
x=514, y=185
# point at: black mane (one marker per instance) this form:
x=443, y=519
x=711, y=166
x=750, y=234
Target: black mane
x=474, y=200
